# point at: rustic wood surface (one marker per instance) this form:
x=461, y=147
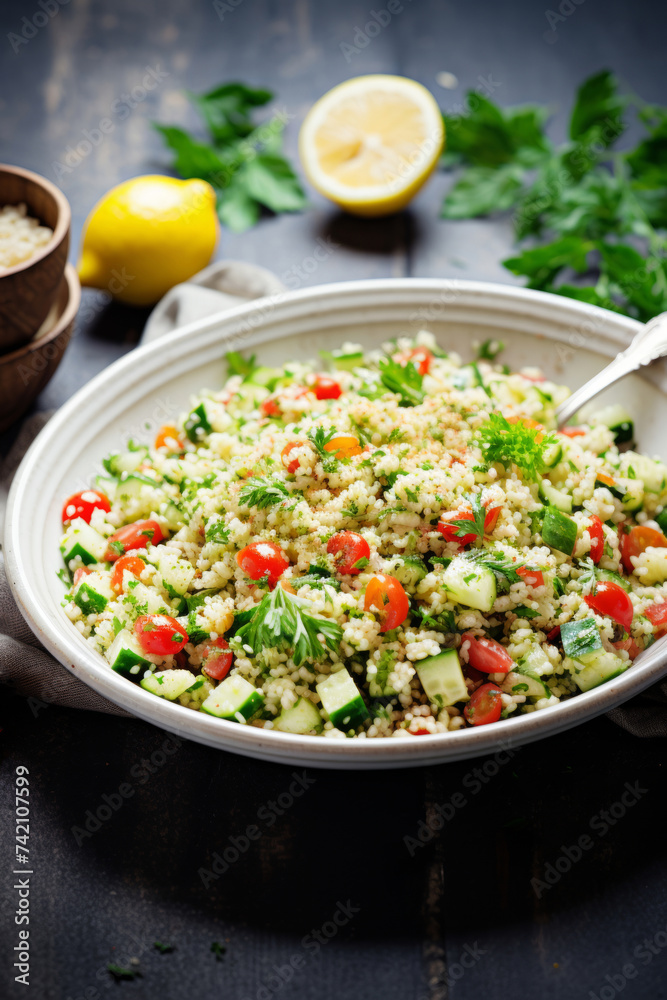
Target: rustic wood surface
x=336, y=895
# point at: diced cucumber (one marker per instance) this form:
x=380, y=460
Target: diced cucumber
x=580, y=637
x=266, y=377
x=169, y=684
x=342, y=701
x=559, y=531
x=615, y=490
x=470, y=584
x=342, y=360
x=552, y=455
x=608, y=574
x=93, y=593
x=177, y=574
x=132, y=485
x=409, y=570
x=555, y=498
x=442, y=678
x=83, y=541
x=596, y=668
x=652, y=474
x=234, y=699
x=618, y=420
x=633, y=494
x=303, y=717
x=125, y=461
x=126, y=656
x=535, y=662
x=138, y=594
x=197, y=692
x=377, y=675
x=197, y=424
x=106, y=485
x=526, y=683
x=172, y=514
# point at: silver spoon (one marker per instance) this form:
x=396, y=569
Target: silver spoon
x=648, y=345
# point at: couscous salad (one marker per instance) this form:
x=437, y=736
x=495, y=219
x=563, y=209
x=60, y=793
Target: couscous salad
x=400, y=546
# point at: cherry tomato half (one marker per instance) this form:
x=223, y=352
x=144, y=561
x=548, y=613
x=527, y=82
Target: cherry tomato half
x=612, y=601
x=487, y=655
x=596, y=533
x=326, y=388
x=533, y=577
x=635, y=541
x=347, y=548
x=344, y=446
x=80, y=573
x=263, y=559
x=133, y=565
x=449, y=531
x=83, y=504
x=290, y=464
x=421, y=358
x=630, y=645
x=160, y=635
x=572, y=432
x=386, y=595
x=217, y=659
x=132, y=536
x=269, y=407
x=169, y=437
x=485, y=705
x=656, y=614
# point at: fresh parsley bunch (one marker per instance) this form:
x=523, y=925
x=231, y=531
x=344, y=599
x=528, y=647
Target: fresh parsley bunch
x=282, y=621
x=514, y=444
x=242, y=161
x=597, y=211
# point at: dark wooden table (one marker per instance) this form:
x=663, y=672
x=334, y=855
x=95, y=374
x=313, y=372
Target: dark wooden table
x=541, y=874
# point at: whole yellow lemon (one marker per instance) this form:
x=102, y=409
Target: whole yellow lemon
x=146, y=235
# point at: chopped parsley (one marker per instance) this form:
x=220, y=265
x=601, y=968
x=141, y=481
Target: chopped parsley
x=282, y=621
x=404, y=380
x=489, y=350
x=119, y=972
x=238, y=365
x=523, y=612
x=396, y=435
x=216, y=531
x=352, y=510
x=320, y=438
x=475, y=527
x=163, y=948
x=514, y=444
x=264, y=492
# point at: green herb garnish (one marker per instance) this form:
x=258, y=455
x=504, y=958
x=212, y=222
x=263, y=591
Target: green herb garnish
x=404, y=380
x=514, y=444
x=282, y=621
x=264, y=492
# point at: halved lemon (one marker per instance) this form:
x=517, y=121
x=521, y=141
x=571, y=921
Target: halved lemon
x=371, y=143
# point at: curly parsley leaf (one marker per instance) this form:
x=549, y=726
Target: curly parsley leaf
x=282, y=621
x=320, y=437
x=264, y=492
x=216, y=531
x=463, y=526
x=404, y=380
x=503, y=567
x=514, y=444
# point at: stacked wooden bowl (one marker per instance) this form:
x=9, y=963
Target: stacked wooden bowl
x=39, y=297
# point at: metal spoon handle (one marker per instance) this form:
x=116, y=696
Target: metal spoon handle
x=648, y=345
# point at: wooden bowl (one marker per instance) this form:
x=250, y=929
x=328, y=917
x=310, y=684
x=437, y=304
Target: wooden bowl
x=24, y=373
x=28, y=290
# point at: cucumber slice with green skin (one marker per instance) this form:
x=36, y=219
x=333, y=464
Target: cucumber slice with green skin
x=169, y=684
x=555, y=498
x=197, y=425
x=234, y=699
x=132, y=485
x=177, y=574
x=342, y=701
x=580, y=638
x=470, y=584
x=661, y=520
x=618, y=420
x=126, y=656
x=106, y=485
x=266, y=377
x=651, y=473
x=559, y=531
x=442, y=678
x=93, y=594
x=342, y=361
x=593, y=669
x=409, y=571
x=552, y=455
x=614, y=489
x=633, y=496
x=535, y=662
x=125, y=461
x=83, y=541
x=173, y=516
x=523, y=682
x=611, y=577
x=301, y=718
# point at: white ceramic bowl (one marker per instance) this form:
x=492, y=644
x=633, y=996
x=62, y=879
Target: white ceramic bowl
x=139, y=392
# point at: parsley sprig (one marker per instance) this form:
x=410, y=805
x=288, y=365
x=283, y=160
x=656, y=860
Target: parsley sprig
x=282, y=621
x=319, y=437
x=475, y=527
x=404, y=380
x=264, y=492
x=514, y=444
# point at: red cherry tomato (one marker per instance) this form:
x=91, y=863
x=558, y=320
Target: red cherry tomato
x=347, y=548
x=572, y=432
x=656, y=614
x=635, y=541
x=80, y=573
x=386, y=595
x=132, y=536
x=217, y=659
x=160, y=635
x=596, y=533
x=485, y=705
x=169, y=437
x=133, y=564
x=263, y=559
x=613, y=602
x=326, y=388
x=448, y=531
x=631, y=646
x=290, y=464
x=269, y=407
x=533, y=577
x=487, y=655
x=420, y=732
x=83, y=504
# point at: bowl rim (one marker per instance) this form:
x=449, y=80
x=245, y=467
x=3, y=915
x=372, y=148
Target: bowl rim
x=272, y=745
x=63, y=222
x=71, y=279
